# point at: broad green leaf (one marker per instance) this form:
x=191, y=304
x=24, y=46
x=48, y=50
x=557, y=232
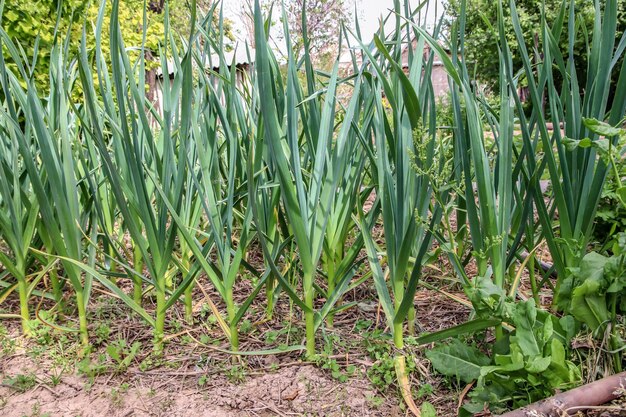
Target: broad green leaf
x=602, y=128
x=523, y=317
x=538, y=364
x=458, y=360
x=428, y=410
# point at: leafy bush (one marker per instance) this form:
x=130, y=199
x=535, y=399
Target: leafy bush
x=532, y=365
x=611, y=216
x=591, y=289
x=34, y=26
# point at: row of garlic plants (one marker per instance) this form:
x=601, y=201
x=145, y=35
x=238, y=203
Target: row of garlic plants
x=100, y=186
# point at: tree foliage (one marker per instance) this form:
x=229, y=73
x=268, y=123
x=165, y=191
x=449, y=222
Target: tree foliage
x=481, y=38
x=323, y=22
x=35, y=24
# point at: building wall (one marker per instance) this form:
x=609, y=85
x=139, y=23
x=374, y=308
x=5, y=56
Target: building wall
x=156, y=89
x=439, y=78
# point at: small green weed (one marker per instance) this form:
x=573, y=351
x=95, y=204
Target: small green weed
x=21, y=382
x=102, y=333
x=7, y=344
x=117, y=395
x=122, y=354
x=236, y=374
x=382, y=373
x=374, y=401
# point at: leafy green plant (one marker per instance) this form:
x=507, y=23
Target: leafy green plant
x=236, y=374
x=102, y=333
x=337, y=371
x=41, y=331
x=382, y=373
x=596, y=288
x=375, y=401
x=595, y=293
x=8, y=344
x=503, y=209
x=93, y=367
x=532, y=365
x=122, y=354
x=611, y=215
x=18, y=221
x=49, y=132
x=428, y=410
x=151, y=231
x=219, y=177
x=403, y=137
x=117, y=394
x=497, y=199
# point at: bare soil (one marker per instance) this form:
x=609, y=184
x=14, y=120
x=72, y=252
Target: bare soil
x=293, y=390
x=196, y=377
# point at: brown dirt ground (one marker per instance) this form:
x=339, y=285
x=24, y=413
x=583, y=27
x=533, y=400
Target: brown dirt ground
x=276, y=385
x=293, y=390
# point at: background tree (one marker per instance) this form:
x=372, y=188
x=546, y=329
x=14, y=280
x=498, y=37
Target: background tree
x=323, y=23
x=32, y=24
x=481, y=41
x=324, y=19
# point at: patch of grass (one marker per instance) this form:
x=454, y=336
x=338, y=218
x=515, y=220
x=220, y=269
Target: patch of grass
x=21, y=382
